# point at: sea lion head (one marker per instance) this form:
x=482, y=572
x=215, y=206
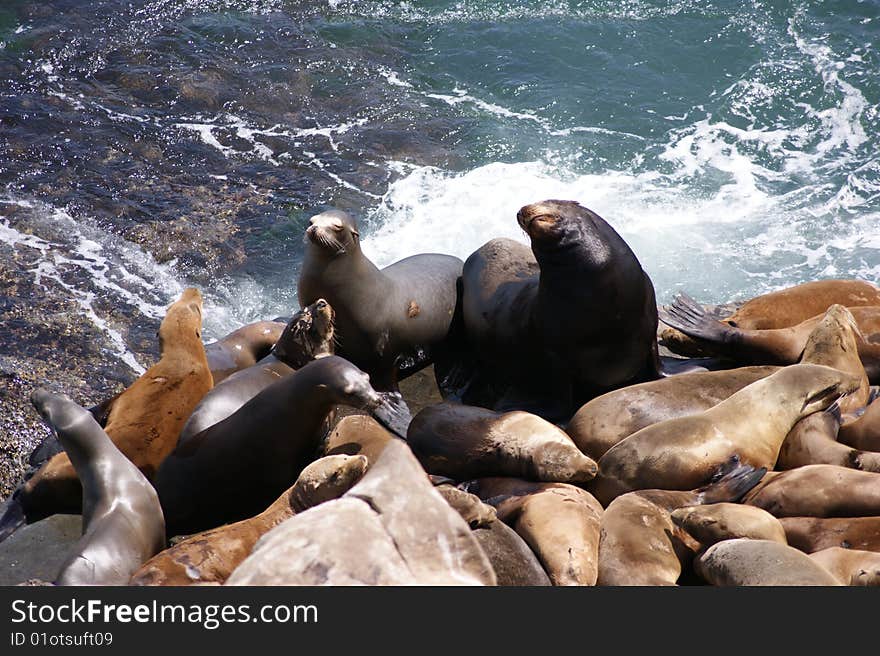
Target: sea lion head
x=59, y=412
x=557, y=224
x=309, y=335
x=183, y=319
x=333, y=233
x=816, y=385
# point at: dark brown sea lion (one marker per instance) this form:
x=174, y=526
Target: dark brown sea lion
x=465, y=442
x=760, y=562
x=237, y=467
x=307, y=336
x=560, y=523
x=242, y=348
x=513, y=561
x=850, y=566
x=640, y=544
x=211, y=556
x=144, y=421
x=771, y=346
x=608, y=419
x=389, y=321
x=818, y=491
x=556, y=324
x=122, y=519
x=684, y=453
x=811, y=534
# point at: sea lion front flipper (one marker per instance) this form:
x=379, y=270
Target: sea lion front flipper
x=393, y=413
x=689, y=317
x=732, y=481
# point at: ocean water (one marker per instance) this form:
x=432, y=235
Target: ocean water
x=150, y=145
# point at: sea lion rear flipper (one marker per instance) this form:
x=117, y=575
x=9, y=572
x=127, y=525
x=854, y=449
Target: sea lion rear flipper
x=732, y=481
x=689, y=317
x=12, y=519
x=393, y=413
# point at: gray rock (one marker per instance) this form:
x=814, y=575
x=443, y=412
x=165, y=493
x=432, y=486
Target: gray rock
x=38, y=550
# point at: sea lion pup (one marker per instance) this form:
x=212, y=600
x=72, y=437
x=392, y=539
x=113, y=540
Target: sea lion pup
x=811, y=534
x=850, y=566
x=307, y=336
x=122, y=519
x=391, y=528
x=560, y=522
x=684, y=453
x=465, y=442
x=818, y=491
x=211, y=556
x=864, y=432
x=772, y=346
x=237, y=467
x=608, y=419
x=709, y=524
x=539, y=319
x=639, y=543
x=242, y=348
x=358, y=435
x=143, y=423
x=390, y=321
x=760, y=562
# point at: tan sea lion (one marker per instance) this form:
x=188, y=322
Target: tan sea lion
x=358, y=435
x=465, y=442
x=308, y=335
x=560, y=523
x=818, y=491
x=760, y=562
x=211, y=556
x=772, y=346
x=608, y=419
x=242, y=348
x=476, y=513
x=122, y=519
x=811, y=534
x=144, y=421
x=390, y=321
x=640, y=545
x=864, y=432
x=850, y=566
x=684, y=453
x=393, y=527
x=709, y=524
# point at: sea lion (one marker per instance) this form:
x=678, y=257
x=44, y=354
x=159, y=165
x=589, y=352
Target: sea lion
x=556, y=324
x=242, y=348
x=307, y=336
x=393, y=527
x=235, y=468
x=211, y=556
x=709, y=524
x=811, y=534
x=864, y=432
x=122, y=519
x=464, y=442
x=639, y=543
x=143, y=423
x=760, y=562
x=608, y=419
x=560, y=523
x=850, y=566
x=390, y=321
x=683, y=453
x=772, y=346
x=818, y=491
x=358, y=435
x=513, y=561
x=476, y=513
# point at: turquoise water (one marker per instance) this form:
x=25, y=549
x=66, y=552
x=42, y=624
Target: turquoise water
x=734, y=145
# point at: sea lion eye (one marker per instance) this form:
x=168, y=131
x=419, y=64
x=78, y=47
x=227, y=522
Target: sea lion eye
x=337, y=227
